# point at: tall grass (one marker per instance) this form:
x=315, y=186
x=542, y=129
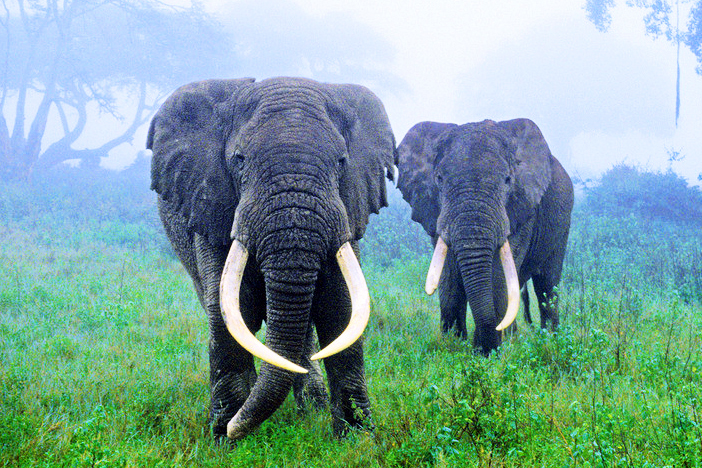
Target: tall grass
x=104, y=352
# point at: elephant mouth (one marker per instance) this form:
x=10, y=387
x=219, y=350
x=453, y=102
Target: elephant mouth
x=229, y=290
x=510, y=272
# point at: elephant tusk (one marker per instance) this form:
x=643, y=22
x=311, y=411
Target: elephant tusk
x=360, y=303
x=436, y=266
x=229, y=288
x=512, y=280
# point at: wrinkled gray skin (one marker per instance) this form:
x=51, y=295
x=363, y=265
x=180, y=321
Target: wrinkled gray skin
x=477, y=185
x=299, y=165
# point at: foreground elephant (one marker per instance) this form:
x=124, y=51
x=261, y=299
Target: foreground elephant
x=497, y=205
x=264, y=189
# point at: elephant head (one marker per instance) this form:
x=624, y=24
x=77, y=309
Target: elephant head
x=282, y=174
x=473, y=188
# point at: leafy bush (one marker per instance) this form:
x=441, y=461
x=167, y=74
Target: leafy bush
x=625, y=190
x=82, y=194
x=392, y=235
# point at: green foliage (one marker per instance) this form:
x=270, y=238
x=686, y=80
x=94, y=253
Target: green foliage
x=104, y=350
x=625, y=190
x=389, y=237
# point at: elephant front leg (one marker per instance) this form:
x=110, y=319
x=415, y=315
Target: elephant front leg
x=309, y=389
x=349, y=402
x=548, y=302
x=452, y=298
x=232, y=375
x=348, y=394
x=232, y=371
x=545, y=288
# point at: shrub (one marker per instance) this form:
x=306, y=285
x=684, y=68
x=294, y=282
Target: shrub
x=625, y=190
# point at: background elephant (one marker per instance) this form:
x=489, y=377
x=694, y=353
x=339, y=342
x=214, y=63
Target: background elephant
x=266, y=181
x=488, y=193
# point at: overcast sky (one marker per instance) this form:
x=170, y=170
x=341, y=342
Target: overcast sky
x=599, y=98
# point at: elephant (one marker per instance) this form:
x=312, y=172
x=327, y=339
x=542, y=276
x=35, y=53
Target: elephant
x=497, y=205
x=264, y=189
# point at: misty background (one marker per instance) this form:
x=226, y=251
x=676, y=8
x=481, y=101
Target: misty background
x=600, y=98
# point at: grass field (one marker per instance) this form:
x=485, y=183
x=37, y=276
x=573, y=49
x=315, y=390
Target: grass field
x=104, y=354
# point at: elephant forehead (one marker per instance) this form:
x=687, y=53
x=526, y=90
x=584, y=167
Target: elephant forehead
x=484, y=160
x=476, y=142
x=298, y=126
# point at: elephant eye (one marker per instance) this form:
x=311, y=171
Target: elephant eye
x=508, y=180
x=342, y=161
x=439, y=178
x=239, y=156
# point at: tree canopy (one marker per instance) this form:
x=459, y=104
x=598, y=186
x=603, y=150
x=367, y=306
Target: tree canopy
x=63, y=62
x=662, y=19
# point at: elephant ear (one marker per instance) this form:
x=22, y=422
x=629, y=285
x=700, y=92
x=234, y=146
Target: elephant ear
x=361, y=119
x=532, y=160
x=188, y=170
x=416, y=156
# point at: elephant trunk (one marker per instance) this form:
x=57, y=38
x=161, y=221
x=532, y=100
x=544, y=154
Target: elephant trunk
x=475, y=266
x=291, y=236
x=479, y=239
x=289, y=296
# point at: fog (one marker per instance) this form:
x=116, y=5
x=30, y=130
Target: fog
x=599, y=98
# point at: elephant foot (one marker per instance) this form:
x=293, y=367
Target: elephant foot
x=486, y=341
x=227, y=394
x=309, y=389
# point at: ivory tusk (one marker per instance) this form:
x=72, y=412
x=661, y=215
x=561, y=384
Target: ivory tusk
x=229, y=288
x=360, y=303
x=437, y=264
x=512, y=280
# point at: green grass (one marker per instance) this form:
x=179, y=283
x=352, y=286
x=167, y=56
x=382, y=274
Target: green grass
x=104, y=359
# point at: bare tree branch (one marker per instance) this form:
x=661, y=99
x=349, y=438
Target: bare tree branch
x=77, y=54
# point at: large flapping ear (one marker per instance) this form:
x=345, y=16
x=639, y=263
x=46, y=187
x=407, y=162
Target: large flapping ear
x=416, y=155
x=532, y=167
x=188, y=169
x=363, y=123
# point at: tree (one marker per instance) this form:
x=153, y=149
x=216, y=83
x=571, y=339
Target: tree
x=625, y=190
x=662, y=19
x=63, y=62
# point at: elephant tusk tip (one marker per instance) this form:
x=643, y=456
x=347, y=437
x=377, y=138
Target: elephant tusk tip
x=360, y=303
x=291, y=366
x=317, y=356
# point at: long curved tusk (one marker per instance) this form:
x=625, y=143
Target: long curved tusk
x=512, y=281
x=437, y=264
x=229, y=288
x=360, y=302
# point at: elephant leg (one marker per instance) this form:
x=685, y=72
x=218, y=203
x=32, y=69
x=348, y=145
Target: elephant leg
x=309, y=388
x=232, y=372
x=452, y=298
x=526, y=301
x=182, y=241
x=544, y=286
x=349, y=403
x=548, y=301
